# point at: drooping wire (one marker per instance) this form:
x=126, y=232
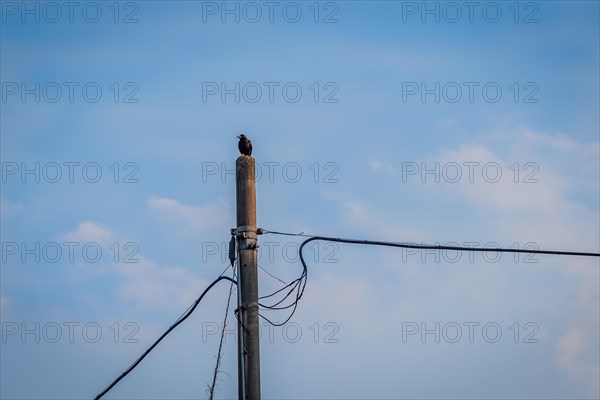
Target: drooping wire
x=295, y=290
x=182, y=318
x=298, y=285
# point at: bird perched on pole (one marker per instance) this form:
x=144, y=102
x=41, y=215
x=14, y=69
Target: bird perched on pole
x=245, y=145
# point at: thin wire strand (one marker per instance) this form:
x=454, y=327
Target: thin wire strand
x=214, y=382
x=286, y=233
x=271, y=275
x=225, y=270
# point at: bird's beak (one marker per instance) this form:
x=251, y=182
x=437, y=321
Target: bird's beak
x=239, y=136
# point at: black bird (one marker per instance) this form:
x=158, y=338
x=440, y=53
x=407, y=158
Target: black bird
x=245, y=145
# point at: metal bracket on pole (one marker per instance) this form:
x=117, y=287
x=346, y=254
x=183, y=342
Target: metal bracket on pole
x=246, y=232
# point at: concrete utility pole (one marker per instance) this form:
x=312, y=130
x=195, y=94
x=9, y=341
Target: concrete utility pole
x=248, y=328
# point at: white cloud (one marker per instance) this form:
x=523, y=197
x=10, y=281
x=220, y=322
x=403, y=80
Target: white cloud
x=560, y=142
x=447, y=122
x=367, y=219
x=554, y=214
x=8, y=208
x=88, y=231
x=572, y=349
x=378, y=166
x=154, y=286
x=559, y=158
x=490, y=182
x=340, y=298
x=195, y=218
x=560, y=211
x=578, y=162
x=144, y=283
x=375, y=165
x=5, y=303
x=546, y=210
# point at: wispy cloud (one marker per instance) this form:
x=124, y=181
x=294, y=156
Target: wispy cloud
x=367, y=219
x=154, y=286
x=574, y=357
x=195, y=218
x=5, y=303
x=8, y=208
x=88, y=231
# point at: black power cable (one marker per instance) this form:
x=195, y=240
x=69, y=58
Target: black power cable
x=438, y=247
x=183, y=317
x=299, y=284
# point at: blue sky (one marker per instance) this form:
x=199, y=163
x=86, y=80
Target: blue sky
x=414, y=124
